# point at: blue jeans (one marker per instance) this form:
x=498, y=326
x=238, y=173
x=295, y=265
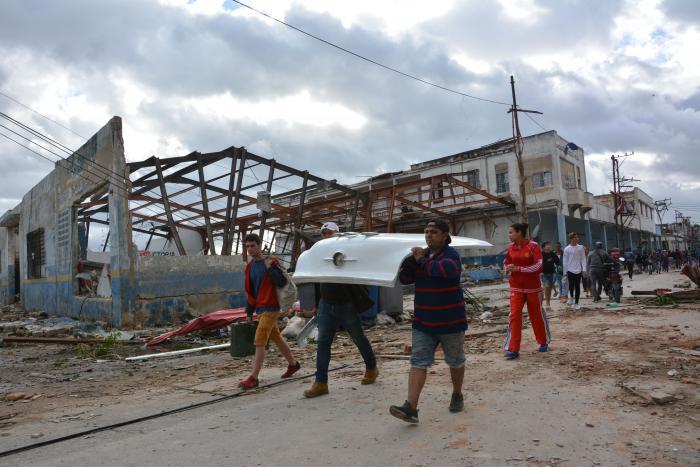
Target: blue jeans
x=329, y=317
x=559, y=280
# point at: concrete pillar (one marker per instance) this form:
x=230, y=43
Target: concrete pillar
x=589, y=235
x=631, y=241
x=605, y=237
x=122, y=252
x=561, y=226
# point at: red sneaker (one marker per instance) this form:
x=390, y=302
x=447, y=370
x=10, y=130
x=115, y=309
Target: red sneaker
x=291, y=369
x=249, y=383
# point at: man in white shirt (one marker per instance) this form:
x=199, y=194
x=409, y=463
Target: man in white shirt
x=574, y=268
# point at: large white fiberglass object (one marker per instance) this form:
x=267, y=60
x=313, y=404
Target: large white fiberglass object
x=364, y=258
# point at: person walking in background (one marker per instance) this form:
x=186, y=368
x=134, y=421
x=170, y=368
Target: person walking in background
x=596, y=269
x=524, y=263
x=585, y=280
x=574, y=268
x=559, y=278
x=665, y=259
x=550, y=261
x=629, y=262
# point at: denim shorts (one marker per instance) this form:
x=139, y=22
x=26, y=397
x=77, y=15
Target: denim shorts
x=424, y=345
x=547, y=280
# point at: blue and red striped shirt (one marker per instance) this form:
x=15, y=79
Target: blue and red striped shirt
x=439, y=301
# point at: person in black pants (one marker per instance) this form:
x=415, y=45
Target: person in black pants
x=575, y=267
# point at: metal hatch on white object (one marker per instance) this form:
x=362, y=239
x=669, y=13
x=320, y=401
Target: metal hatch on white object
x=365, y=258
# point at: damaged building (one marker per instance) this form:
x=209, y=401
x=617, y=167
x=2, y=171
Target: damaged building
x=149, y=242
x=160, y=240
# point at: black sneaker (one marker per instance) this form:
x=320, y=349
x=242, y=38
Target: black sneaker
x=457, y=402
x=404, y=412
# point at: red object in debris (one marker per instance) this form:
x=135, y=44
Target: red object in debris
x=213, y=320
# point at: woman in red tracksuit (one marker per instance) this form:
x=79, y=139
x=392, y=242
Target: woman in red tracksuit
x=524, y=263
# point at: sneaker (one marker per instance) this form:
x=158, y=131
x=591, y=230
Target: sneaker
x=404, y=412
x=249, y=383
x=577, y=307
x=511, y=355
x=570, y=301
x=316, y=389
x=370, y=375
x=291, y=369
x=457, y=402
x=543, y=348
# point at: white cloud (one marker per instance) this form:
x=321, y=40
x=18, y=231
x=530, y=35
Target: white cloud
x=612, y=76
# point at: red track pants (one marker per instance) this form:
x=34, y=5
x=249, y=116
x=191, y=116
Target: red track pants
x=538, y=318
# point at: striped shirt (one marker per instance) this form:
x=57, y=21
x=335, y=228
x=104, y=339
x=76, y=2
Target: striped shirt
x=439, y=300
x=527, y=258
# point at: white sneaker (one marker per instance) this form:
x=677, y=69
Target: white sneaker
x=577, y=307
x=570, y=301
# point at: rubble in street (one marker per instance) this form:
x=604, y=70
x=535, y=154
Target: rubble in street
x=643, y=360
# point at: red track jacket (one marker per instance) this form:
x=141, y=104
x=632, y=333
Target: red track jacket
x=527, y=258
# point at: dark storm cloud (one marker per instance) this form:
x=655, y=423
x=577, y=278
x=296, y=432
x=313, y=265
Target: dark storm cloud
x=177, y=55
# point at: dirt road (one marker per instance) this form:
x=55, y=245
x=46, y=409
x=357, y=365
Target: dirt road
x=619, y=387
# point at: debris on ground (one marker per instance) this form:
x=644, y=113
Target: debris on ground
x=293, y=327
x=208, y=322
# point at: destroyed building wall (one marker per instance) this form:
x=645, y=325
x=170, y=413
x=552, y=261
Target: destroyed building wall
x=141, y=290
x=175, y=288
x=48, y=228
x=8, y=257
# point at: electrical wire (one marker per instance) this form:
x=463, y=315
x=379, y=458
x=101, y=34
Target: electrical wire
x=374, y=62
x=535, y=121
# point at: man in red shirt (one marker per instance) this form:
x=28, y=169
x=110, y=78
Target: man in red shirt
x=524, y=263
x=262, y=276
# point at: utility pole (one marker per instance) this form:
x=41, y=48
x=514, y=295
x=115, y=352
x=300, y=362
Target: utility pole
x=661, y=207
x=518, y=148
x=620, y=204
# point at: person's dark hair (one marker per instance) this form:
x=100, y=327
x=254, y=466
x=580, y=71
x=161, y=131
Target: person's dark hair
x=252, y=238
x=443, y=226
x=572, y=235
x=544, y=244
x=520, y=227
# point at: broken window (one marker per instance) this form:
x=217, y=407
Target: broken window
x=502, y=182
x=542, y=179
x=578, y=177
x=473, y=178
x=438, y=193
x=569, y=181
x=36, y=254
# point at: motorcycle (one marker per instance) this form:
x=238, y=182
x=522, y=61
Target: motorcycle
x=612, y=283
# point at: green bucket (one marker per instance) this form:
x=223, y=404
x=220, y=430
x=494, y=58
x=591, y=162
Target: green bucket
x=241, y=338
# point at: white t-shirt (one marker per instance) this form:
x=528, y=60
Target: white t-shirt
x=574, y=259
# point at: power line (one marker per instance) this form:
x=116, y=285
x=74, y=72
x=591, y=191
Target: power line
x=374, y=62
x=61, y=159
x=535, y=122
x=107, y=171
x=40, y=114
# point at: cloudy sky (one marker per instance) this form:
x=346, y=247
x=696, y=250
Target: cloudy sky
x=611, y=76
